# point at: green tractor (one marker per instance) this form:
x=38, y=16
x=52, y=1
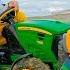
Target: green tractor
x=29, y=39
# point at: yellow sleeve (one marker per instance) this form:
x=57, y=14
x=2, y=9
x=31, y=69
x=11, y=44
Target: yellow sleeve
x=20, y=16
x=2, y=39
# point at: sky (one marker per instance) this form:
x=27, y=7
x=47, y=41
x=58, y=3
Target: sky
x=42, y=7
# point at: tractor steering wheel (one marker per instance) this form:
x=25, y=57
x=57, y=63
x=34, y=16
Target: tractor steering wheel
x=4, y=14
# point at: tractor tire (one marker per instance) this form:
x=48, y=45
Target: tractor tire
x=61, y=52
x=31, y=63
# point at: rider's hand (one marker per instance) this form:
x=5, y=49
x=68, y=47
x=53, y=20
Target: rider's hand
x=13, y=4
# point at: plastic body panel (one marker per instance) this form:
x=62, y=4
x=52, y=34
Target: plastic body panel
x=40, y=47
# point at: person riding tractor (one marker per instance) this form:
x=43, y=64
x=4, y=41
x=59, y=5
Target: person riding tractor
x=19, y=16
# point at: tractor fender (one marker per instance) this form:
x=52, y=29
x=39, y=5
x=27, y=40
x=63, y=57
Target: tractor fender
x=20, y=58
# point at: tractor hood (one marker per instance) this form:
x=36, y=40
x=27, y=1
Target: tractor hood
x=54, y=27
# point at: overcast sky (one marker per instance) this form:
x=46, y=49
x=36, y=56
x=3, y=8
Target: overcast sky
x=42, y=7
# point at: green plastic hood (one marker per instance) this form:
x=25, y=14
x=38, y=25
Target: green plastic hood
x=54, y=27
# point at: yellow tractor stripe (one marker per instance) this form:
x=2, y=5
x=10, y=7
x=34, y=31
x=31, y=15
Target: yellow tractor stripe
x=34, y=29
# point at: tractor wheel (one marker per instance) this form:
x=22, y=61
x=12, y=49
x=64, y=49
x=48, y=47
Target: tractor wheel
x=31, y=63
x=61, y=51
